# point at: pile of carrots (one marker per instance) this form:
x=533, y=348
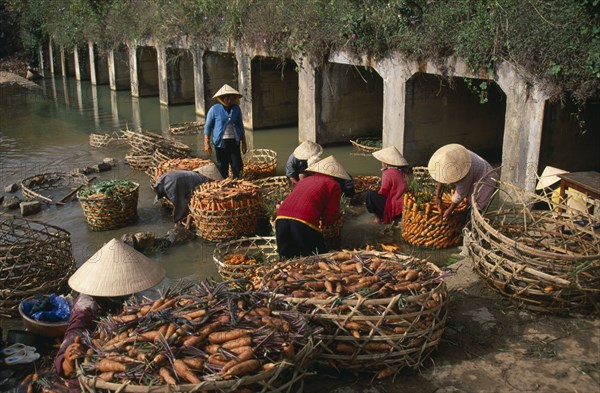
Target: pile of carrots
x=254, y=169
x=364, y=183
x=423, y=223
x=207, y=332
x=176, y=164
x=367, y=302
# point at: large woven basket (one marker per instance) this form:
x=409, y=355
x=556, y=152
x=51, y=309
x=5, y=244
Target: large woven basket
x=35, y=258
x=139, y=162
x=46, y=186
x=362, y=184
x=178, y=164
x=238, y=259
x=107, y=140
x=543, y=260
x=145, y=143
x=333, y=231
x=104, y=212
x=225, y=210
x=367, y=145
x=268, y=325
x=186, y=128
x=367, y=332
x=423, y=224
x=274, y=189
x=259, y=163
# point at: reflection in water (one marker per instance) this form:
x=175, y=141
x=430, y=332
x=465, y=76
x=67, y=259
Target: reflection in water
x=40, y=134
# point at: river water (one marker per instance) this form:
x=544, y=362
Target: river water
x=47, y=130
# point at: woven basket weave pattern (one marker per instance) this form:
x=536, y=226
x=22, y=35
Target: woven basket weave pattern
x=35, y=258
x=104, y=213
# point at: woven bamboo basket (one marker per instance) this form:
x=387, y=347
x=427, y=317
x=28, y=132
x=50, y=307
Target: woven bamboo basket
x=107, y=140
x=264, y=322
x=45, y=187
x=367, y=145
x=179, y=164
x=543, y=260
x=116, y=210
x=274, y=189
x=367, y=329
x=423, y=224
x=259, y=163
x=225, y=210
x=333, y=231
x=145, y=143
x=362, y=184
x=238, y=259
x=186, y=128
x=35, y=258
x=139, y=162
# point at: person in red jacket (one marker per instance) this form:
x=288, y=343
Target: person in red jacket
x=104, y=282
x=387, y=204
x=314, y=198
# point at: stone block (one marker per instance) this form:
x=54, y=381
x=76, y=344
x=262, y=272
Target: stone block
x=29, y=208
x=128, y=239
x=11, y=202
x=11, y=187
x=144, y=240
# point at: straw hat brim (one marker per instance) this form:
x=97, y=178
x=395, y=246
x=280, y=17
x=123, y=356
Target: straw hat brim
x=549, y=177
x=209, y=171
x=307, y=149
x=391, y=156
x=226, y=90
x=449, y=163
x=116, y=270
x=329, y=166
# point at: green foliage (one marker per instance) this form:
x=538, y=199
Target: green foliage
x=556, y=42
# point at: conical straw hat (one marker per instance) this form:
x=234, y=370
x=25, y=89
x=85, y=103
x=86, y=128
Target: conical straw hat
x=308, y=149
x=209, y=171
x=391, y=156
x=329, y=166
x=449, y=163
x=116, y=270
x=549, y=177
x=227, y=90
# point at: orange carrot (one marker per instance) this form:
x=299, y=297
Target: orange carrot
x=224, y=336
x=165, y=374
x=242, y=368
x=111, y=365
x=242, y=357
x=239, y=342
x=195, y=363
x=183, y=371
x=195, y=314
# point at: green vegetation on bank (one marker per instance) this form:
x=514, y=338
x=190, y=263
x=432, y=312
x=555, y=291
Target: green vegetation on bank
x=555, y=43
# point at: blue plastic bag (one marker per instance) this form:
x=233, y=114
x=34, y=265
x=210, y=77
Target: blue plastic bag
x=59, y=312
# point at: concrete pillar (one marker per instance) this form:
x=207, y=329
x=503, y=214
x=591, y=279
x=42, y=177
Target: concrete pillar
x=114, y=108
x=63, y=62
x=133, y=70
x=522, y=128
x=163, y=86
x=244, y=59
x=112, y=80
x=92, y=62
x=77, y=64
x=395, y=74
x=309, y=101
x=136, y=114
x=200, y=102
x=41, y=61
x=50, y=56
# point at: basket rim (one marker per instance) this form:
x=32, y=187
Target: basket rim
x=128, y=192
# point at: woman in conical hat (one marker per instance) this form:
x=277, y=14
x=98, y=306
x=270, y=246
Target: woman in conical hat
x=178, y=187
x=388, y=203
x=298, y=160
x=225, y=124
x=314, y=198
x=454, y=164
x=103, y=282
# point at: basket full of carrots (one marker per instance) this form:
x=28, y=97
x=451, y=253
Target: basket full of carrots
x=380, y=311
x=225, y=210
x=423, y=223
x=238, y=259
x=207, y=337
x=109, y=204
x=259, y=163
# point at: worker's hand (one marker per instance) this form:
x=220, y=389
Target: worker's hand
x=73, y=351
x=244, y=146
x=207, y=147
x=447, y=213
x=437, y=201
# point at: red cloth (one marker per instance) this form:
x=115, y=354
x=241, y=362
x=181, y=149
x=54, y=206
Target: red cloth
x=393, y=187
x=314, y=197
